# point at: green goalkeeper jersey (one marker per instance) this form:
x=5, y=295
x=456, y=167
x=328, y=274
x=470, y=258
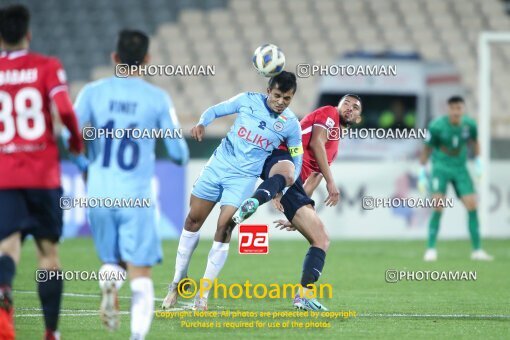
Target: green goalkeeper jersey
x=449, y=142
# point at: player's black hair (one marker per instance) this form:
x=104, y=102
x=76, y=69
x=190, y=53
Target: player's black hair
x=286, y=81
x=132, y=46
x=14, y=22
x=353, y=96
x=455, y=100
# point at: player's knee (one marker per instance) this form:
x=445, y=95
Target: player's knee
x=49, y=261
x=223, y=235
x=321, y=240
x=192, y=223
x=470, y=204
x=289, y=178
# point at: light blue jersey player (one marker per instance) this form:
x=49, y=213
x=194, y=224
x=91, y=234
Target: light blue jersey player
x=122, y=166
x=263, y=123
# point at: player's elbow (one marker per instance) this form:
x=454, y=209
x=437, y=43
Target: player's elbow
x=180, y=160
x=315, y=145
x=316, y=175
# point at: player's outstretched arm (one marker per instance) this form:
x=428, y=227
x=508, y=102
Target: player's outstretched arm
x=312, y=183
x=225, y=108
x=318, y=146
x=177, y=148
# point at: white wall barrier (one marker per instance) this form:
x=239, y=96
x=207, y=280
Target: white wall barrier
x=378, y=179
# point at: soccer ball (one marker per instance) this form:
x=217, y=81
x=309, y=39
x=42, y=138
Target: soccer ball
x=268, y=60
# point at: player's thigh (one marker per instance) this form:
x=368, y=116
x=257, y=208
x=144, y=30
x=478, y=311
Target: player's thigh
x=439, y=181
x=45, y=214
x=14, y=219
x=279, y=162
x=294, y=199
x=208, y=187
x=469, y=201
x=104, y=228
x=139, y=241
x=285, y=168
x=199, y=210
x=226, y=214
x=308, y=223
x=438, y=197
x=47, y=254
x=464, y=188
x=237, y=188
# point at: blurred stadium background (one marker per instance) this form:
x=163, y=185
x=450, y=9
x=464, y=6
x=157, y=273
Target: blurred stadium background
x=433, y=42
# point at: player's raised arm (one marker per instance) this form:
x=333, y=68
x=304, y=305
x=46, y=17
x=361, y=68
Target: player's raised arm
x=176, y=147
x=225, y=108
x=318, y=146
x=57, y=86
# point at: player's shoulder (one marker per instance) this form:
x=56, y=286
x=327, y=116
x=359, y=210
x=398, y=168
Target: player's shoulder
x=438, y=122
x=96, y=85
x=153, y=89
x=327, y=110
x=44, y=60
x=468, y=120
x=251, y=96
x=289, y=115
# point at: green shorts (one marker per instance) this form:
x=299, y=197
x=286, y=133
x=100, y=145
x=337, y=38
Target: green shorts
x=458, y=176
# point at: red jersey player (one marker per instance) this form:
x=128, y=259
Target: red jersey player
x=30, y=173
x=321, y=134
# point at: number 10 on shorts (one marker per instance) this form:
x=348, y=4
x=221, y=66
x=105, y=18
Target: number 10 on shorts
x=253, y=239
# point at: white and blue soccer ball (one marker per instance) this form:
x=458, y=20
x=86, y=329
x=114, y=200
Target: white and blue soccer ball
x=268, y=60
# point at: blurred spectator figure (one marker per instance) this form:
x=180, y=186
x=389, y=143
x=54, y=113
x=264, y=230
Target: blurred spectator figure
x=396, y=117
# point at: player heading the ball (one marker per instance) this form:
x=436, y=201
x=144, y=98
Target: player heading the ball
x=264, y=121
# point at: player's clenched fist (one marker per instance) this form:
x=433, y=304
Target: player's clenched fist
x=197, y=132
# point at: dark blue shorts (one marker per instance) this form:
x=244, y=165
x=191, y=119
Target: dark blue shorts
x=295, y=197
x=31, y=211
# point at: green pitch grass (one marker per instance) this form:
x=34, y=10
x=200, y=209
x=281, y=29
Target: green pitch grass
x=356, y=270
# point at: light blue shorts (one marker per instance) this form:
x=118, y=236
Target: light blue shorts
x=126, y=234
x=219, y=183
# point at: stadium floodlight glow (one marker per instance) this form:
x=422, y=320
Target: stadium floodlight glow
x=484, y=90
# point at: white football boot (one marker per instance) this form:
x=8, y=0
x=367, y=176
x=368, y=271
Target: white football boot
x=430, y=255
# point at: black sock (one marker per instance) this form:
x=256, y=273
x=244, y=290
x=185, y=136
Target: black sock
x=50, y=293
x=312, y=266
x=7, y=270
x=269, y=188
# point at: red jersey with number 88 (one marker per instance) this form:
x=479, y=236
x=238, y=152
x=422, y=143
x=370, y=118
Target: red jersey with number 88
x=28, y=149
